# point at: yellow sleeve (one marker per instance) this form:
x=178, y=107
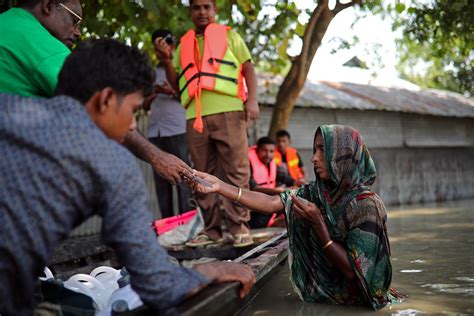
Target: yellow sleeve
x=238, y=47
x=176, y=59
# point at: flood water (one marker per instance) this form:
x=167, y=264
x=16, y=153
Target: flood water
x=432, y=262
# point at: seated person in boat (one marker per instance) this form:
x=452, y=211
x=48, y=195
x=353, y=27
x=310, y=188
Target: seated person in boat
x=288, y=157
x=62, y=163
x=338, y=241
x=266, y=177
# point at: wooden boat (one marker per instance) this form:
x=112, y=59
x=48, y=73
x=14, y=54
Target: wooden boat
x=82, y=254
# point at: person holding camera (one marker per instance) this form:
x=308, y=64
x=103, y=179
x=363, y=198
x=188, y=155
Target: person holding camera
x=167, y=131
x=214, y=74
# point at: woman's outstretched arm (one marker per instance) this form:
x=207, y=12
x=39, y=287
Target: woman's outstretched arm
x=259, y=202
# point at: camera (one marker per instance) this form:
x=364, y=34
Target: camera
x=169, y=39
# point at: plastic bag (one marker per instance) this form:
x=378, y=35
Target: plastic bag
x=176, y=230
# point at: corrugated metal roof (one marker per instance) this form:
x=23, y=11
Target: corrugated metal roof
x=344, y=95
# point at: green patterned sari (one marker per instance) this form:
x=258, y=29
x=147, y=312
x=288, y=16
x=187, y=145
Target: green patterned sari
x=355, y=217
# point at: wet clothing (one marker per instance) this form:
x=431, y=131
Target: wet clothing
x=30, y=57
x=58, y=169
x=355, y=217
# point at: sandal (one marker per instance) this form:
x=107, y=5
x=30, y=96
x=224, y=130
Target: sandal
x=201, y=240
x=242, y=240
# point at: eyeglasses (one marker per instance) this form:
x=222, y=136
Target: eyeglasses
x=76, y=18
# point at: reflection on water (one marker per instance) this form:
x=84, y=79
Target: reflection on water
x=433, y=263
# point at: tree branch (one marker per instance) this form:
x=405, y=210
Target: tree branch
x=341, y=6
x=309, y=34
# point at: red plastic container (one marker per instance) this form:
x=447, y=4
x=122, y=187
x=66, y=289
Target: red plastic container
x=166, y=224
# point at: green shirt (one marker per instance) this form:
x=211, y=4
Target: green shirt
x=212, y=102
x=30, y=57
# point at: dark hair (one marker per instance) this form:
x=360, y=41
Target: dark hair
x=97, y=64
x=283, y=133
x=265, y=141
x=160, y=33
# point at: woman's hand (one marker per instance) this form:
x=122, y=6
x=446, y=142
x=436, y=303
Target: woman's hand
x=310, y=213
x=202, y=182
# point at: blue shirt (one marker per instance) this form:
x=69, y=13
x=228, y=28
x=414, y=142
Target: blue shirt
x=56, y=170
x=168, y=116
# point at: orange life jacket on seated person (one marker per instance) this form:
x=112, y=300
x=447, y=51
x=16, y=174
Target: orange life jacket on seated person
x=218, y=70
x=292, y=161
x=264, y=177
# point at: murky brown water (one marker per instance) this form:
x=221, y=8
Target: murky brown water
x=433, y=263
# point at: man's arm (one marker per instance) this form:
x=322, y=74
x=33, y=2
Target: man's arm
x=126, y=228
x=168, y=166
x=251, y=106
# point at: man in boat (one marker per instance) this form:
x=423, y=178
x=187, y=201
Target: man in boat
x=62, y=163
x=289, y=157
x=268, y=178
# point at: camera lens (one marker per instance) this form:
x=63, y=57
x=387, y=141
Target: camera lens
x=169, y=39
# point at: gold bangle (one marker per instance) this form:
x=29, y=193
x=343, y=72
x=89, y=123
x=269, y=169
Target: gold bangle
x=237, y=199
x=329, y=243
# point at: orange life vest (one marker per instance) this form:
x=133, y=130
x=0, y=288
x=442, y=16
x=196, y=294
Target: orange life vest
x=217, y=70
x=292, y=161
x=264, y=177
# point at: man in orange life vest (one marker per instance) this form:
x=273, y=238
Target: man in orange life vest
x=266, y=177
x=286, y=155
x=212, y=70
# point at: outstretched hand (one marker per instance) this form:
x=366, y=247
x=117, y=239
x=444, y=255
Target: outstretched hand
x=220, y=272
x=202, y=182
x=171, y=167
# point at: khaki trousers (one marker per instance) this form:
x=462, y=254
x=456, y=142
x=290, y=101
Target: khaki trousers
x=221, y=150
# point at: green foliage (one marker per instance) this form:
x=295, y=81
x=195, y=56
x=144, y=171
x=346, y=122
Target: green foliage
x=268, y=29
x=133, y=21
x=441, y=35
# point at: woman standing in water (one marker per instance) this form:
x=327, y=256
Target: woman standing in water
x=339, y=248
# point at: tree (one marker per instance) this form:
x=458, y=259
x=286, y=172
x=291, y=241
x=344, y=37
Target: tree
x=441, y=34
x=294, y=81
